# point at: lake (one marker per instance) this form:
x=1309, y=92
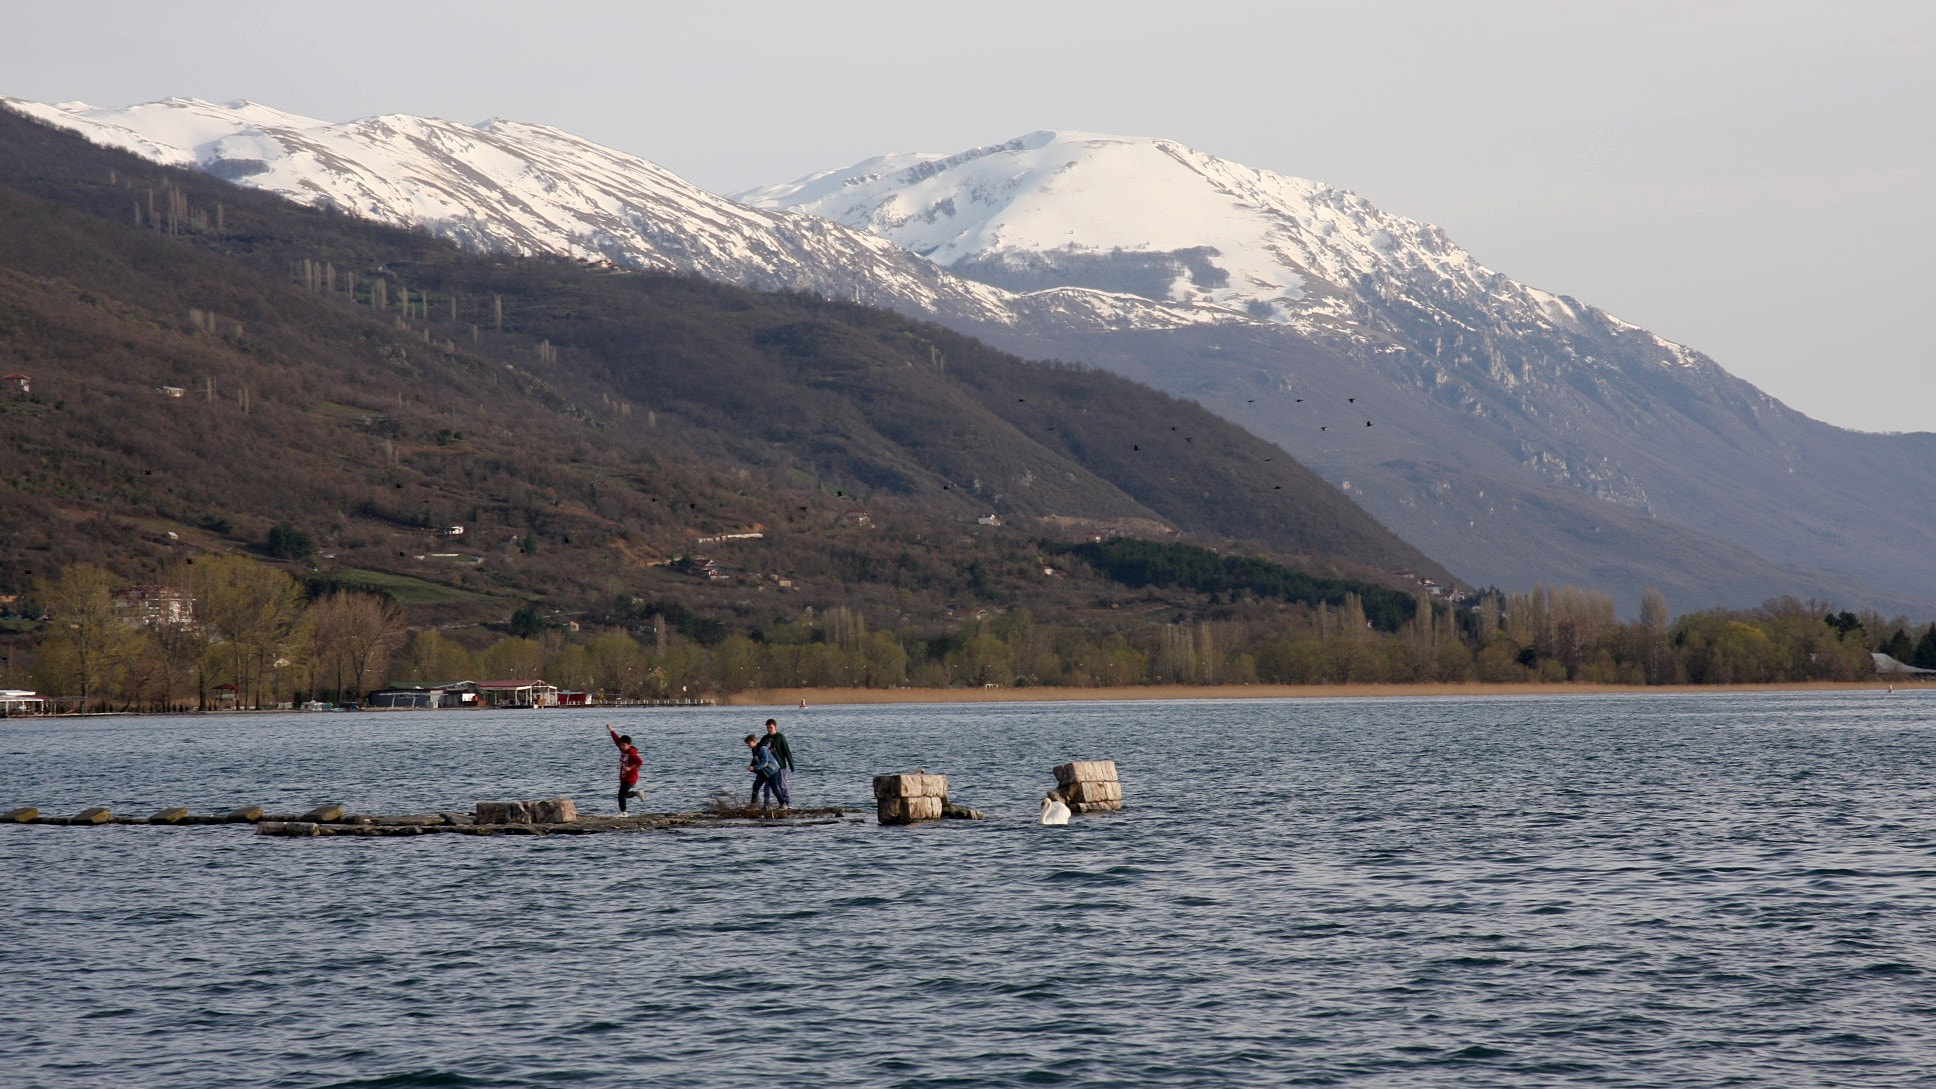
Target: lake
x=1635, y=890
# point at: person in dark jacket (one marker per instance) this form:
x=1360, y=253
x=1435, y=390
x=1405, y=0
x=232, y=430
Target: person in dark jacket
x=775, y=742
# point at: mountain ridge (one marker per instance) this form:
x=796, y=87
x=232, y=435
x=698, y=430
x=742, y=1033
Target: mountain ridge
x=347, y=377
x=1482, y=389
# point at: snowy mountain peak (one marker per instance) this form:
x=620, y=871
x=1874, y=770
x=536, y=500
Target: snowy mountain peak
x=1151, y=216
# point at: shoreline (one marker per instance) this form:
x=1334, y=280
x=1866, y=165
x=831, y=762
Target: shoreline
x=784, y=697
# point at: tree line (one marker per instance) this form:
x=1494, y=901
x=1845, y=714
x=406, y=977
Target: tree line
x=258, y=637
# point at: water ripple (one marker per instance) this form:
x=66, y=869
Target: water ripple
x=1646, y=892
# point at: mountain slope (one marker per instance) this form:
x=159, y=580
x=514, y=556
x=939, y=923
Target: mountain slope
x=1520, y=435
x=353, y=379
x=1474, y=381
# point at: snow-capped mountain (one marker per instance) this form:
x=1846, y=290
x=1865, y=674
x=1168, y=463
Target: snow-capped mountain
x=1152, y=215
x=522, y=188
x=1175, y=225
x=1513, y=434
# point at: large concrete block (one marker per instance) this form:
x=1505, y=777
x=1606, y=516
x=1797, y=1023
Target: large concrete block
x=323, y=813
x=171, y=815
x=247, y=814
x=1092, y=792
x=553, y=811
x=912, y=785
x=288, y=828
x=908, y=810
x=1086, y=771
x=97, y=814
x=503, y=813
x=23, y=815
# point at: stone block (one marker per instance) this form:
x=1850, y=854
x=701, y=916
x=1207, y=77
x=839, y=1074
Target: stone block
x=1094, y=807
x=99, y=814
x=324, y=813
x=1086, y=791
x=171, y=815
x=950, y=811
x=288, y=828
x=1086, y=771
x=247, y=814
x=503, y=813
x=914, y=785
x=22, y=815
x=554, y=811
x=908, y=810
x=427, y=821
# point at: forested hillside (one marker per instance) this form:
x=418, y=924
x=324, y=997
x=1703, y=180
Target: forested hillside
x=213, y=370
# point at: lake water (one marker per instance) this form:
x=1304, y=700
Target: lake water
x=1645, y=891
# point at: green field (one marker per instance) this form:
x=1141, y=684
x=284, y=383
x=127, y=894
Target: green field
x=407, y=590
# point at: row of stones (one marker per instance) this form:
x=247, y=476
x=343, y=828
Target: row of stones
x=101, y=814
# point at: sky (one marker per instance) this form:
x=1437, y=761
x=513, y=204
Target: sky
x=1756, y=180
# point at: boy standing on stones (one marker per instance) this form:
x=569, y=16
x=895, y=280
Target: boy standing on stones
x=629, y=762
x=764, y=767
x=775, y=742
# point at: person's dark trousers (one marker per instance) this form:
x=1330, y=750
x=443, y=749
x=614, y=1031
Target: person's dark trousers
x=760, y=782
x=778, y=789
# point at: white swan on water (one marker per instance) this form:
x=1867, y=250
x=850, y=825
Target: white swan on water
x=1053, y=811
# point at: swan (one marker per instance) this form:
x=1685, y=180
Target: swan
x=1053, y=811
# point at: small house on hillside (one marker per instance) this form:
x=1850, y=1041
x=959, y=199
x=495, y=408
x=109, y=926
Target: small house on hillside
x=154, y=606
x=19, y=383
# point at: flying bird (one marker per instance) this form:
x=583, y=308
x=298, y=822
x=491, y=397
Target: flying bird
x=1367, y=423
x=1321, y=427
x=1353, y=400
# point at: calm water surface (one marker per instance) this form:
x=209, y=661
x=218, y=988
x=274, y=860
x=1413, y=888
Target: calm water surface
x=1645, y=891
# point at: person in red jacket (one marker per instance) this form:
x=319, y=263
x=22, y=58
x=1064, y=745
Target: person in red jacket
x=629, y=762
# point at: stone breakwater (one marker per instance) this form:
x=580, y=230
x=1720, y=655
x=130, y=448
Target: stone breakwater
x=557, y=816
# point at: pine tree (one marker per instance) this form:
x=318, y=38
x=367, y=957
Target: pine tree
x=1926, y=649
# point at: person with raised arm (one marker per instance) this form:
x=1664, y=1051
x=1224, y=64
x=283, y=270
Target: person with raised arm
x=629, y=762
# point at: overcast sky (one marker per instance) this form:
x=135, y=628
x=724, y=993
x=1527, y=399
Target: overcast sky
x=1751, y=178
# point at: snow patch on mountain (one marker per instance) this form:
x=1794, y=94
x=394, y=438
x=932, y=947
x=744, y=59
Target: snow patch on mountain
x=512, y=186
x=1249, y=242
